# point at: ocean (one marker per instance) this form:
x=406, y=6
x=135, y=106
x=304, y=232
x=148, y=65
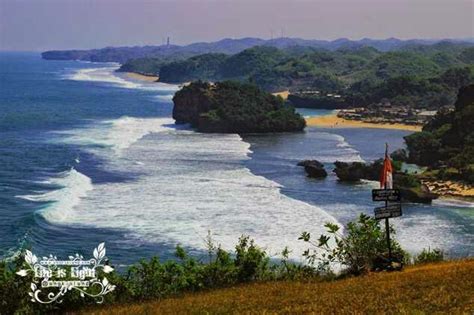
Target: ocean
x=88, y=155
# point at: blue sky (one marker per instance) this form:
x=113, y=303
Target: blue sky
x=66, y=24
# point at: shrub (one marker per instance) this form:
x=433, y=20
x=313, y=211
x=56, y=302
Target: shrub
x=363, y=248
x=429, y=256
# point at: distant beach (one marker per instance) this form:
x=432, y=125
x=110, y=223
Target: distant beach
x=333, y=121
x=282, y=94
x=142, y=77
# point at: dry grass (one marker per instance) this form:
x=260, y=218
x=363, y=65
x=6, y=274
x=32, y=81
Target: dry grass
x=444, y=288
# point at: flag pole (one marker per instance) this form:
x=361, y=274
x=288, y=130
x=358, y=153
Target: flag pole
x=387, y=226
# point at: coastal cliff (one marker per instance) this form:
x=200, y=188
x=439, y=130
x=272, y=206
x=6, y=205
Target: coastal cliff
x=233, y=107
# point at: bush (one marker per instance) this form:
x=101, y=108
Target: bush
x=361, y=249
x=429, y=256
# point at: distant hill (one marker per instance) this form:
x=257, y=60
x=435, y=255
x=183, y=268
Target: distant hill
x=226, y=46
x=418, y=78
x=413, y=73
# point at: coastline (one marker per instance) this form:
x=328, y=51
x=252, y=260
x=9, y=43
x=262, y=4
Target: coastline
x=142, y=77
x=333, y=121
x=282, y=94
x=450, y=189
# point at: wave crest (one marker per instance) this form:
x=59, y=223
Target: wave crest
x=73, y=186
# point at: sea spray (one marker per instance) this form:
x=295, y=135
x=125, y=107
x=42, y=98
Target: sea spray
x=190, y=183
x=71, y=186
x=117, y=134
x=108, y=74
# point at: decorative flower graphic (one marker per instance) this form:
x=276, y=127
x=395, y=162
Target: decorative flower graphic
x=101, y=286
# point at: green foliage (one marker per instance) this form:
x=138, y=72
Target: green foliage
x=423, y=148
x=154, y=279
x=360, y=249
x=417, y=76
x=250, y=61
x=234, y=107
x=202, y=67
x=429, y=256
x=448, y=140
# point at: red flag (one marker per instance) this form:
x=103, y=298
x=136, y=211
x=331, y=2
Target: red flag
x=386, y=178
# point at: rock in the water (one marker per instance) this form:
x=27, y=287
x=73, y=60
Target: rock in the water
x=355, y=171
x=410, y=186
x=418, y=195
x=313, y=168
x=234, y=107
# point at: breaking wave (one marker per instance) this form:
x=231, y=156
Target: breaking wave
x=192, y=183
x=71, y=186
x=108, y=75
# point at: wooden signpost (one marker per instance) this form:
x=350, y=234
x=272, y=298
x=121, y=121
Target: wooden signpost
x=388, y=211
x=386, y=195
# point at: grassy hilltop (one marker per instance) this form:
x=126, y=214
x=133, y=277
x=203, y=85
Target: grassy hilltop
x=443, y=288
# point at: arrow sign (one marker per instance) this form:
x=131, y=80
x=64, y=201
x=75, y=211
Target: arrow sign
x=386, y=195
x=390, y=211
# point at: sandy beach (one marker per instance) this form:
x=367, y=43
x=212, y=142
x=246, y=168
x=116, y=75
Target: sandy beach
x=450, y=188
x=333, y=121
x=142, y=77
x=282, y=94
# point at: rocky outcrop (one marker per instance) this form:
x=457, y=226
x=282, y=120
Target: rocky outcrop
x=355, y=171
x=410, y=186
x=233, y=107
x=313, y=168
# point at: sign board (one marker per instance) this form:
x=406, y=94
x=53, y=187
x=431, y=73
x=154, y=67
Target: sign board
x=386, y=195
x=390, y=211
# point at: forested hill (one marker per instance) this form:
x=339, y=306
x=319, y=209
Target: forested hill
x=409, y=74
x=416, y=76
x=446, y=144
x=227, y=46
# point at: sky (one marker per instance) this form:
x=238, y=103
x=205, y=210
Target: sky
x=80, y=24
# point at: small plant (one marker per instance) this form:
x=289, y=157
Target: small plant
x=361, y=249
x=429, y=256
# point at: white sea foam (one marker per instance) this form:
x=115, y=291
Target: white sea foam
x=337, y=149
x=118, y=134
x=193, y=183
x=451, y=202
x=71, y=187
x=416, y=231
x=108, y=75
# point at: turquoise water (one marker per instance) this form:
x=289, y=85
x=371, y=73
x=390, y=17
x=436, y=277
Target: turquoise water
x=310, y=112
x=88, y=156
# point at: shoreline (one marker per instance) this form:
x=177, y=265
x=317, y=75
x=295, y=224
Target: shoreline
x=450, y=189
x=142, y=77
x=333, y=121
x=282, y=94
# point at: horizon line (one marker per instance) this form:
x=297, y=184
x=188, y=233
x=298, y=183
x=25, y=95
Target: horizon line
x=461, y=39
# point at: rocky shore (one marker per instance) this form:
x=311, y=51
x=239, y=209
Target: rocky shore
x=410, y=186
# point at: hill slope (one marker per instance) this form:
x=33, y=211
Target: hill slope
x=445, y=288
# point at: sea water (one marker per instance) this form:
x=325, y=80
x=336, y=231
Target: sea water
x=90, y=156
